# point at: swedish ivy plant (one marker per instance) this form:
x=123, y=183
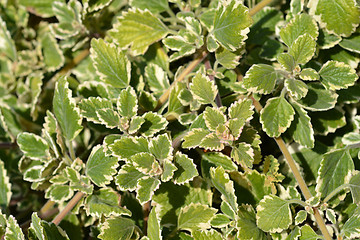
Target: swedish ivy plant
x=156, y=119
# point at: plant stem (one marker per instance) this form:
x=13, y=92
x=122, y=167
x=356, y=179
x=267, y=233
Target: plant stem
x=259, y=6
x=47, y=206
x=303, y=187
x=71, y=204
x=336, y=191
x=71, y=150
x=188, y=70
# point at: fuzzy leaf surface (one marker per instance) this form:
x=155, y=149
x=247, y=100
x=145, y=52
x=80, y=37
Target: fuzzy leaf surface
x=246, y=224
x=126, y=147
x=260, y=78
x=337, y=75
x=273, y=214
x=297, y=88
x=231, y=24
x=213, y=118
x=111, y=63
x=153, y=230
x=146, y=188
x=99, y=167
x=303, y=49
x=139, y=29
x=301, y=128
x=203, y=89
x=194, y=137
x=154, y=6
x=5, y=186
x=195, y=216
x=117, y=228
x=318, y=98
x=104, y=202
x=351, y=228
x=128, y=177
x=276, y=116
x=33, y=146
x=332, y=12
x=301, y=24
x=335, y=169
x=66, y=112
x=7, y=45
x=127, y=103
x=220, y=179
x=89, y=107
x=186, y=169
x=160, y=147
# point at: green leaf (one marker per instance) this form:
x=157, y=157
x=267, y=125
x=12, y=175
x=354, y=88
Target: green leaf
x=330, y=13
x=13, y=231
x=33, y=146
x=355, y=187
x=337, y=75
x=127, y=103
x=273, y=214
x=117, y=228
x=335, y=169
x=7, y=44
x=309, y=74
x=301, y=129
x=153, y=6
x=351, y=138
x=186, y=169
x=227, y=58
x=36, y=227
x=318, y=98
x=260, y=78
x=300, y=217
x=91, y=6
x=207, y=235
x=139, y=29
x=66, y=112
x=175, y=107
x=287, y=61
x=220, y=159
x=135, y=124
x=153, y=229
x=53, y=56
x=195, y=216
x=212, y=142
x=111, y=63
x=307, y=233
x=258, y=184
x=146, y=163
x=351, y=227
x=104, y=202
x=246, y=224
x=9, y=122
x=241, y=109
x=299, y=25
x=108, y=117
x=329, y=121
x=53, y=232
x=213, y=118
x=90, y=106
x=352, y=43
x=297, y=88
x=203, y=89
x=40, y=8
x=126, y=147
x=153, y=124
x=128, y=177
x=220, y=179
x=180, y=45
x=5, y=186
x=145, y=188
x=243, y=154
x=276, y=116
x=231, y=24
x=99, y=167
x=156, y=78
x=168, y=170
x=59, y=193
x=160, y=147
x=194, y=138
x=220, y=221
x=303, y=49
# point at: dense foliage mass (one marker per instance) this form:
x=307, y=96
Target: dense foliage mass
x=156, y=119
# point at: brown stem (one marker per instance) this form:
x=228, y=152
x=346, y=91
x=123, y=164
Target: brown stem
x=300, y=180
x=71, y=204
x=188, y=70
x=259, y=6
